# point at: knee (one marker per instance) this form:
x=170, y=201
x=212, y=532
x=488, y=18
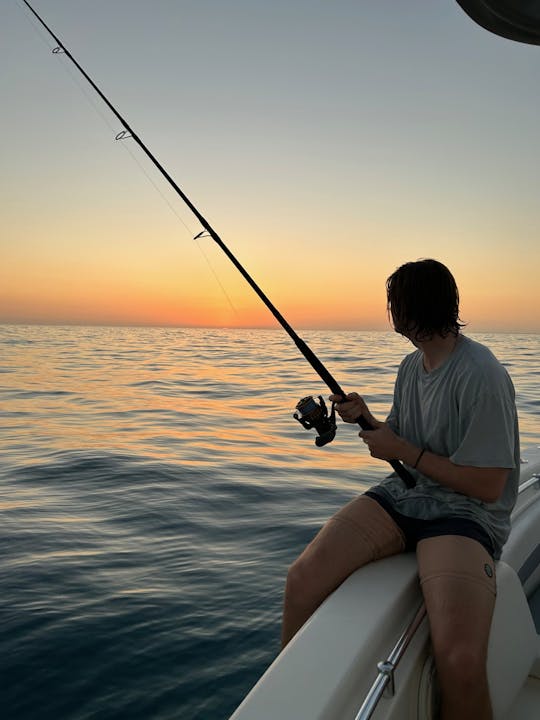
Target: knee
x=300, y=585
x=462, y=665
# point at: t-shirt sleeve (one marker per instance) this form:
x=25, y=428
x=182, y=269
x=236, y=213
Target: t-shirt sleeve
x=393, y=417
x=487, y=431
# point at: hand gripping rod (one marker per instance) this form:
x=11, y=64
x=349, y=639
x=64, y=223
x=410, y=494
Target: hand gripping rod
x=306, y=351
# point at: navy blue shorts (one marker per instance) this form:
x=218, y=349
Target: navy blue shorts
x=415, y=529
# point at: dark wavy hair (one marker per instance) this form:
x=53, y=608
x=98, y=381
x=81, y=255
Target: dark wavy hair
x=423, y=300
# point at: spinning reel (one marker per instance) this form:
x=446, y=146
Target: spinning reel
x=313, y=414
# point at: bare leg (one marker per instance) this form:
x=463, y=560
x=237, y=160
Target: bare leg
x=458, y=582
x=359, y=533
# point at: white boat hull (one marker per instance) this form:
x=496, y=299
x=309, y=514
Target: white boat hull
x=327, y=671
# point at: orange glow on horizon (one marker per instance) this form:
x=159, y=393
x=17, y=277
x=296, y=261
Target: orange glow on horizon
x=142, y=288
x=320, y=196
x=129, y=308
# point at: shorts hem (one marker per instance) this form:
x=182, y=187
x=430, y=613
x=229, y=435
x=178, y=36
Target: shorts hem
x=416, y=529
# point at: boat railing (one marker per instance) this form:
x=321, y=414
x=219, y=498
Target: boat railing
x=384, y=683
x=533, y=480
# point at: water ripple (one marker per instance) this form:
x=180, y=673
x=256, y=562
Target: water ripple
x=154, y=490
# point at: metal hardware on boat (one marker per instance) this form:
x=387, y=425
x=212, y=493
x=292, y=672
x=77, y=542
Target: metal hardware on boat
x=387, y=667
x=533, y=481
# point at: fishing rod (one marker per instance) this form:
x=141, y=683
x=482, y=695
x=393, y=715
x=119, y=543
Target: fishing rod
x=310, y=413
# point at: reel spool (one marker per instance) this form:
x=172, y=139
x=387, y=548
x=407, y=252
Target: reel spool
x=313, y=414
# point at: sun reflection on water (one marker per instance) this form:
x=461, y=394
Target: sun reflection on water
x=202, y=397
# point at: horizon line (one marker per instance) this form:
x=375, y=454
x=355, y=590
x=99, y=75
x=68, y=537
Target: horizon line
x=175, y=326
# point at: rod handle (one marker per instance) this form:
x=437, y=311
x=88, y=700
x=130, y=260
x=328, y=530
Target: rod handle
x=403, y=473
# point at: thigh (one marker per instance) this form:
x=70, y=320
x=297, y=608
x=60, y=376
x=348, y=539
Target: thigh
x=457, y=576
x=359, y=533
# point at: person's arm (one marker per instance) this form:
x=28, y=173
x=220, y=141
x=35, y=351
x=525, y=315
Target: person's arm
x=483, y=483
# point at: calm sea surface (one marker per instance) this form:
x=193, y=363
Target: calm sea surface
x=154, y=489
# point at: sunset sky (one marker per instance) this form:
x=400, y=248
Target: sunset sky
x=326, y=142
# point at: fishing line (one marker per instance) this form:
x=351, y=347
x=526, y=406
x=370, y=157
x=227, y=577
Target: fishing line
x=180, y=218
x=310, y=413
x=118, y=136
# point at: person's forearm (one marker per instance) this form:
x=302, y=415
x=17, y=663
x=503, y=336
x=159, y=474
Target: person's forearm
x=375, y=424
x=486, y=484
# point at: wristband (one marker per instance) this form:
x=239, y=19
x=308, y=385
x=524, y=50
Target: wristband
x=422, y=451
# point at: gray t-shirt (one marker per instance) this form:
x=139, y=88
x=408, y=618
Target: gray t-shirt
x=464, y=410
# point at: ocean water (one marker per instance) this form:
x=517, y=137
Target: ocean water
x=154, y=489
